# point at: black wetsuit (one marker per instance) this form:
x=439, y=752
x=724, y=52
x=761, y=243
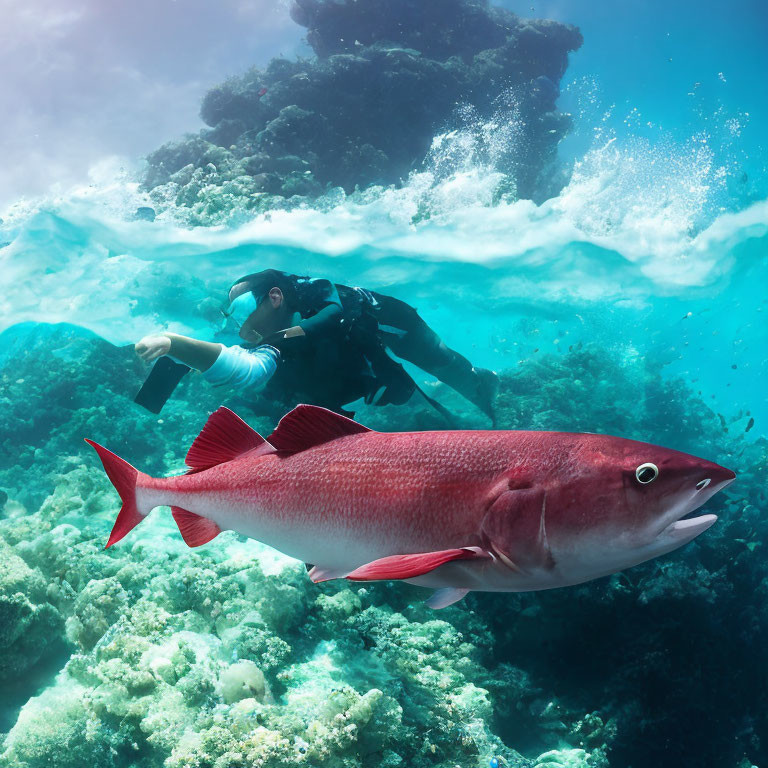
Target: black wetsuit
x=344, y=354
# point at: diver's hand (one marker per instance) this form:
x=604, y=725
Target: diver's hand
x=152, y=347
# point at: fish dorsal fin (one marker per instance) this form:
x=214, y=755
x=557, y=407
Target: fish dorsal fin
x=225, y=436
x=309, y=425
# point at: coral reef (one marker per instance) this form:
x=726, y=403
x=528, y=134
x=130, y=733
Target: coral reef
x=30, y=627
x=227, y=655
x=388, y=76
x=190, y=658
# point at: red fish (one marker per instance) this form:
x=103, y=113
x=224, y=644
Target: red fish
x=454, y=510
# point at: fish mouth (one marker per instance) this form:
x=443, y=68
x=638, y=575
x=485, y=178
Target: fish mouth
x=687, y=529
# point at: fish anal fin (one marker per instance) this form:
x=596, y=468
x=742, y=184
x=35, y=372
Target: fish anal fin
x=224, y=437
x=309, y=425
x=410, y=566
x=195, y=529
x=442, y=598
x=515, y=527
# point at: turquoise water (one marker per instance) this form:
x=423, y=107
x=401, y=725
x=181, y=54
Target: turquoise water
x=636, y=252
x=632, y=302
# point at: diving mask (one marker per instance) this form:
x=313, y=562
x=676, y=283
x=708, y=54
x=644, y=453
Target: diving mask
x=240, y=309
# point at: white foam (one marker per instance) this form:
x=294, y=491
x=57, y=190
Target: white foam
x=635, y=221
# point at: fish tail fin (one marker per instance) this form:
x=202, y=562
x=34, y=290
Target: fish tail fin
x=125, y=478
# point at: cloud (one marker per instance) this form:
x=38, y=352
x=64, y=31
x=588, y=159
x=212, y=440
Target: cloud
x=99, y=78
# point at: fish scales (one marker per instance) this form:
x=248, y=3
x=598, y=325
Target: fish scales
x=371, y=483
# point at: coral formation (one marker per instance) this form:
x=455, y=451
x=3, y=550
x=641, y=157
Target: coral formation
x=388, y=76
x=30, y=626
x=225, y=656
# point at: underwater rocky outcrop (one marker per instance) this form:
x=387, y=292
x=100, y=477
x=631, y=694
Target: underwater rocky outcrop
x=150, y=653
x=387, y=77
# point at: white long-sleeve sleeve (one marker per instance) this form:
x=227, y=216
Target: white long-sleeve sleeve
x=243, y=369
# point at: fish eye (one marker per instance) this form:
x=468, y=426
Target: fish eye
x=646, y=473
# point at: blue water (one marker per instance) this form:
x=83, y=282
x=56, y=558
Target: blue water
x=665, y=215
x=652, y=258
x=645, y=249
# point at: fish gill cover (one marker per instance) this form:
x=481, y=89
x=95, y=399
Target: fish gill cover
x=629, y=302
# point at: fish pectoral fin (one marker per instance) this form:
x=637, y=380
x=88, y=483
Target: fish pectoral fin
x=515, y=526
x=442, y=598
x=224, y=437
x=409, y=566
x=309, y=425
x=318, y=573
x=195, y=529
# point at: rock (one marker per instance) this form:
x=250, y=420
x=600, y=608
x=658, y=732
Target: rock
x=243, y=680
x=173, y=157
x=267, y=182
x=439, y=30
x=226, y=132
x=30, y=627
x=388, y=76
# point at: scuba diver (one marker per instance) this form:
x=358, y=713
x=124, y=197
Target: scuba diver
x=312, y=341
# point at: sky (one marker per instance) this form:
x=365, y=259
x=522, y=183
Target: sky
x=87, y=79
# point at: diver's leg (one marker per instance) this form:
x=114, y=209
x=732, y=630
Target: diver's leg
x=410, y=338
